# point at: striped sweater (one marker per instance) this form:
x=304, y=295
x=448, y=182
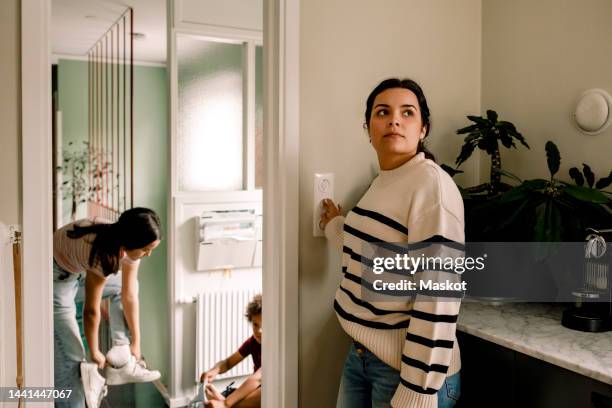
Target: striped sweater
x=413, y=203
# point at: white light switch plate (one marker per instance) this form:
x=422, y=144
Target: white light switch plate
x=323, y=188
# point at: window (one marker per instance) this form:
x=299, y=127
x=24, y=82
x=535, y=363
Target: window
x=220, y=115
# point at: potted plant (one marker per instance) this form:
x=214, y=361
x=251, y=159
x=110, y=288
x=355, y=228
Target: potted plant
x=80, y=182
x=550, y=210
x=486, y=133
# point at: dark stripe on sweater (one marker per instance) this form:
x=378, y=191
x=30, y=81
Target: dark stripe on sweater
x=434, y=318
x=417, y=388
x=382, y=219
x=429, y=317
x=438, y=368
x=373, y=325
x=369, y=306
x=372, y=239
x=424, y=341
x=437, y=239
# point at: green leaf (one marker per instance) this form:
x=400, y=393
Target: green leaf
x=521, y=139
x=489, y=143
x=588, y=174
x=587, y=194
x=553, y=158
x=479, y=120
x=467, y=129
x=466, y=151
x=492, y=116
x=517, y=193
x=506, y=125
x=505, y=139
x=576, y=175
x=547, y=228
x=451, y=171
x=604, y=182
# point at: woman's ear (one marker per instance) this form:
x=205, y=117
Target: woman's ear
x=423, y=132
x=367, y=129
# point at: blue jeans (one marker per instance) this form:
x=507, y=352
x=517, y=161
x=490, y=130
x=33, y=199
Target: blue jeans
x=367, y=382
x=68, y=289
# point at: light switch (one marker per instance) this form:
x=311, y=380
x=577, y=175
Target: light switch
x=323, y=188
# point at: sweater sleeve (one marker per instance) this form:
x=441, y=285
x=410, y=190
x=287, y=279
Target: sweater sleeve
x=428, y=347
x=333, y=231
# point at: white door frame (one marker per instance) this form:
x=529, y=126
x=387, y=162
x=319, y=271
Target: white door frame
x=281, y=127
x=36, y=193
x=281, y=202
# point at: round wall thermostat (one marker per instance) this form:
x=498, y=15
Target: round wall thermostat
x=593, y=113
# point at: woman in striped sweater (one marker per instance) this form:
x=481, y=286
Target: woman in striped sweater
x=404, y=353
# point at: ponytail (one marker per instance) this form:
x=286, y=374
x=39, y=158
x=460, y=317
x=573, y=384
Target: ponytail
x=135, y=229
x=104, y=248
x=428, y=155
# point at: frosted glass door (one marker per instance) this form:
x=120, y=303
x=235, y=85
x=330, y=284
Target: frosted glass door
x=210, y=115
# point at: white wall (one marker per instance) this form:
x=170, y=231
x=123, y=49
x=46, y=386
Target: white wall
x=538, y=57
x=239, y=14
x=346, y=48
x=10, y=177
x=10, y=112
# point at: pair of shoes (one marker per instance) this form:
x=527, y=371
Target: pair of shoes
x=94, y=385
x=132, y=372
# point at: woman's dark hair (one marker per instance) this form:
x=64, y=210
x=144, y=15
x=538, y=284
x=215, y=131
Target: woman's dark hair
x=416, y=89
x=135, y=229
x=253, y=308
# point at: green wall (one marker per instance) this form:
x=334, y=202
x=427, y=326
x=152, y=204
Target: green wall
x=151, y=166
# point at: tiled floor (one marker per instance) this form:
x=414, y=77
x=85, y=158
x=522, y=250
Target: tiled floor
x=146, y=395
x=133, y=395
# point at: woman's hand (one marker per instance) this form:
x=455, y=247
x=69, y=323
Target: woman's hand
x=209, y=376
x=135, y=350
x=212, y=394
x=98, y=358
x=330, y=211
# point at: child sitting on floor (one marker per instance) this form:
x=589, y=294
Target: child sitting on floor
x=249, y=393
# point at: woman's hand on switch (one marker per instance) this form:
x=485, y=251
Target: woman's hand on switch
x=330, y=211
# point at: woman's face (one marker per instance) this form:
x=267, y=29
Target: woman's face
x=395, y=126
x=142, y=252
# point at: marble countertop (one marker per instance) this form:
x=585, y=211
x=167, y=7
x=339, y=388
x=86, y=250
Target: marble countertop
x=535, y=329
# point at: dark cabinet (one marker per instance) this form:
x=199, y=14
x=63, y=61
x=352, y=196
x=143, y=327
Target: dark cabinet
x=496, y=376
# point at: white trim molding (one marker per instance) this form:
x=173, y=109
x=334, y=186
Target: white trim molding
x=36, y=199
x=281, y=202
x=56, y=57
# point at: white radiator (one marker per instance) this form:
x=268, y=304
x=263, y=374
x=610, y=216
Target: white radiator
x=221, y=328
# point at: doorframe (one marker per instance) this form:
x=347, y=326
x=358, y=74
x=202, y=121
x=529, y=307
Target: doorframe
x=36, y=197
x=281, y=202
x=281, y=194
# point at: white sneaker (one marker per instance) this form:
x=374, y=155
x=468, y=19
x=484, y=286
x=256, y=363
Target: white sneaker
x=132, y=372
x=93, y=384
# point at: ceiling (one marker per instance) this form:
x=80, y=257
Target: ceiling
x=76, y=25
